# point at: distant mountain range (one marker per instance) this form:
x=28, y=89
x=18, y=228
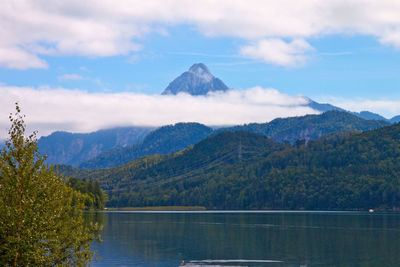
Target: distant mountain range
x=309, y=127
x=112, y=147
x=173, y=138
x=367, y=115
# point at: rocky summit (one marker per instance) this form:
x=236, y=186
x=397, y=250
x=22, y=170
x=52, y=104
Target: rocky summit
x=198, y=80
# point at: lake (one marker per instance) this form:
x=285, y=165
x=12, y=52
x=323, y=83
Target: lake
x=248, y=239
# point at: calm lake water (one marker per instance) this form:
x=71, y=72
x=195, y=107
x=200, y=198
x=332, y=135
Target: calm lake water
x=248, y=239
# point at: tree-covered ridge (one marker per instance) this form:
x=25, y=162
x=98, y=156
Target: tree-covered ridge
x=309, y=127
x=357, y=172
x=360, y=171
x=164, y=140
x=172, y=138
x=209, y=155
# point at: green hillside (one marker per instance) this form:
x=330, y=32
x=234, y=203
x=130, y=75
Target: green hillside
x=309, y=127
x=164, y=140
x=208, y=156
x=358, y=172
x=247, y=171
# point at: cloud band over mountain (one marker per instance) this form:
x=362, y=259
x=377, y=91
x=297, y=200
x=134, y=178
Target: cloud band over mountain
x=49, y=110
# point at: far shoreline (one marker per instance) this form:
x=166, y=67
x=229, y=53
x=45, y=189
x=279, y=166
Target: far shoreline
x=204, y=209
x=183, y=209
x=159, y=208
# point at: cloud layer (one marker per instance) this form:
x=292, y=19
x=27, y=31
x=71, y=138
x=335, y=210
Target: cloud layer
x=386, y=107
x=48, y=110
x=278, y=52
x=99, y=28
x=70, y=76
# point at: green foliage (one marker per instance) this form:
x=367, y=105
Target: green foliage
x=94, y=196
x=41, y=222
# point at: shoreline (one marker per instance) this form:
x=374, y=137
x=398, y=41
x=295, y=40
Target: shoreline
x=159, y=208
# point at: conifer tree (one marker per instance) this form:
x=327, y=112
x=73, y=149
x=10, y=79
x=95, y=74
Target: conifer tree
x=41, y=218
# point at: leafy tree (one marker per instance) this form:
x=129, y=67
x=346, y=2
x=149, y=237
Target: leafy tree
x=41, y=220
x=93, y=194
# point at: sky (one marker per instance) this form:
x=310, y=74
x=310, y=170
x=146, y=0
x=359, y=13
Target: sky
x=81, y=66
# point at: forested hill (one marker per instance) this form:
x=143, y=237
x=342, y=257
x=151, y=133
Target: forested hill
x=172, y=138
x=164, y=140
x=360, y=171
x=209, y=155
x=309, y=127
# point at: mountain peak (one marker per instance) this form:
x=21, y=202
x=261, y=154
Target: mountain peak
x=199, y=67
x=198, y=80
x=202, y=72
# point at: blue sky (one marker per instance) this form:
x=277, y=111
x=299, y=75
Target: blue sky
x=341, y=66
x=343, y=52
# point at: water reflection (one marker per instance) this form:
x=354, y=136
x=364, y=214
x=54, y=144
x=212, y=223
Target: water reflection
x=248, y=239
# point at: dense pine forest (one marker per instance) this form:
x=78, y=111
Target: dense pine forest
x=94, y=196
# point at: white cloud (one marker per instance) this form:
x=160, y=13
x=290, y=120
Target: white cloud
x=48, y=110
x=16, y=58
x=99, y=28
x=278, y=52
x=71, y=76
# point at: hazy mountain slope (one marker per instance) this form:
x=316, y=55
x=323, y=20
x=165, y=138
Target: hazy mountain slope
x=395, y=119
x=367, y=115
x=75, y=148
x=164, y=140
x=322, y=107
x=309, y=127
